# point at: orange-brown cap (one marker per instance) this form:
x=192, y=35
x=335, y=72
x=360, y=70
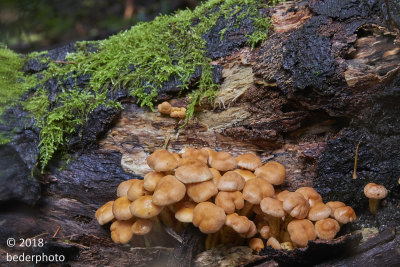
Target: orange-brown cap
x=121, y=209
x=334, y=205
x=345, y=214
x=123, y=187
x=200, y=154
x=274, y=243
x=200, y=192
x=151, y=179
x=252, y=231
x=256, y=244
x=282, y=195
x=256, y=189
x=273, y=207
x=296, y=205
x=327, y=228
x=195, y=172
x=375, y=191
x=208, y=217
x=265, y=232
x=320, y=211
x=301, y=231
x=247, y=175
x=184, y=211
x=248, y=161
x=241, y=224
x=141, y=227
x=272, y=171
x=222, y=161
x=104, y=214
x=310, y=194
x=169, y=190
x=121, y=232
x=162, y=161
x=136, y=190
x=229, y=201
x=164, y=108
x=231, y=181
x=177, y=112
x=144, y=208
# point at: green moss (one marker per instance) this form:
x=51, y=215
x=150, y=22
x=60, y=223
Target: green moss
x=141, y=59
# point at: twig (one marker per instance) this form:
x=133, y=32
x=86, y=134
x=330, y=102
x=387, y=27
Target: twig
x=65, y=62
x=355, y=162
x=36, y=236
x=58, y=230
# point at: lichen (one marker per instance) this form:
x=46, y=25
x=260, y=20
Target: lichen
x=141, y=59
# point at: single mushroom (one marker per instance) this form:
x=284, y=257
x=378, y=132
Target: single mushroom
x=345, y=215
x=169, y=190
x=105, y=214
x=301, y=231
x=208, y=217
x=256, y=244
x=194, y=172
x=241, y=224
x=141, y=227
x=121, y=232
x=200, y=154
x=265, y=232
x=282, y=195
x=274, y=243
x=256, y=189
x=309, y=193
x=247, y=175
x=123, y=187
x=151, y=179
x=248, y=161
x=334, y=205
x=327, y=228
x=272, y=171
x=230, y=201
x=164, y=108
x=162, y=161
x=144, y=208
x=375, y=193
x=231, y=181
x=296, y=205
x=136, y=190
x=320, y=211
x=184, y=211
x=251, y=232
x=178, y=113
x=200, y=192
x=121, y=209
x=222, y=161
x=274, y=210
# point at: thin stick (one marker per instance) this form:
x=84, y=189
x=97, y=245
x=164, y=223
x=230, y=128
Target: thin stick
x=65, y=62
x=58, y=230
x=355, y=162
x=36, y=236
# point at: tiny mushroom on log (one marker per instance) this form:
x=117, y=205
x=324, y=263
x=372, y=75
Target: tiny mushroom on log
x=375, y=193
x=256, y=189
x=105, y=214
x=164, y=108
x=169, y=190
x=248, y=161
x=272, y=171
x=121, y=232
x=301, y=231
x=208, y=217
x=121, y=209
x=151, y=179
x=327, y=228
x=178, y=113
x=162, y=161
x=231, y=181
x=345, y=215
x=230, y=201
x=144, y=208
x=141, y=227
x=200, y=192
x=256, y=244
x=296, y=205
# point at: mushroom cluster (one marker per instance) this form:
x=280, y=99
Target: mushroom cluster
x=174, y=112
x=229, y=198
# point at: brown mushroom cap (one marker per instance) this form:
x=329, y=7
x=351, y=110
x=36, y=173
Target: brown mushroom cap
x=201, y=192
x=310, y=194
x=169, y=190
x=200, y=154
x=247, y=175
x=164, y=108
x=334, y=205
x=208, y=217
x=136, y=190
x=272, y=171
x=248, y=161
x=327, y=228
x=256, y=189
x=229, y=201
x=123, y=187
x=141, y=227
x=231, y=181
x=282, y=195
x=265, y=232
x=320, y=211
x=256, y=244
x=195, y=172
x=151, y=179
x=177, y=112
x=121, y=209
x=216, y=175
x=144, y=208
x=162, y=161
x=104, y=214
x=121, y=232
x=241, y=224
x=301, y=231
x=222, y=161
x=184, y=211
x=274, y=243
x=296, y=205
x=273, y=207
x=375, y=191
x=345, y=214
x=252, y=231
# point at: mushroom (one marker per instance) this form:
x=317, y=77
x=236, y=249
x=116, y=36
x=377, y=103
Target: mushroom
x=169, y=190
x=151, y=179
x=208, y=217
x=310, y=194
x=282, y=195
x=334, y=205
x=184, y=211
x=144, y=208
x=247, y=175
x=320, y=211
x=256, y=189
x=231, y=181
x=251, y=232
x=178, y=113
x=123, y=187
x=274, y=243
x=164, y=108
x=141, y=227
x=248, y=161
x=272, y=171
x=345, y=215
x=136, y=190
x=375, y=193
x=199, y=154
x=274, y=210
x=301, y=231
x=162, y=161
x=296, y=205
x=121, y=209
x=256, y=244
x=222, y=161
x=121, y=232
x=200, y=192
x=241, y=224
x=265, y=232
x=195, y=172
x=104, y=214
x=230, y=201
x=327, y=228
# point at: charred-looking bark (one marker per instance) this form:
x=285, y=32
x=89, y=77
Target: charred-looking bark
x=326, y=79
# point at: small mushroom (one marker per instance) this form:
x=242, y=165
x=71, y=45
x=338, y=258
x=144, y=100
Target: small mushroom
x=296, y=205
x=301, y=231
x=121, y=209
x=251, y=232
x=273, y=207
x=272, y=171
x=327, y=228
x=231, y=181
x=375, y=193
x=265, y=232
x=208, y=217
x=247, y=175
x=310, y=194
x=222, y=161
x=274, y=243
x=230, y=201
x=178, y=113
x=200, y=192
x=169, y=190
x=241, y=224
x=104, y=214
x=345, y=215
x=334, y=205
x=151, y=179
x=123, y=187
x=144, y=208
x=256, y=244
x=199, y=154
x=141, y=227
x=136, y=190
x=164, y=108
x=195, y=172
x=162, y=161
x=121, y=232
x=184, y=211
x=320, y=211
x=256, y=189
x=248, y=161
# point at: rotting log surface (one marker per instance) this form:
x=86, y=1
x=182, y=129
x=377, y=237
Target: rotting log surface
x=326, y=80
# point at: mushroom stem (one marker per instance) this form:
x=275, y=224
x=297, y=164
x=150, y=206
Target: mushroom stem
x=373, y=205
x=212, y=240
x=275, y=226
x=247, y=210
